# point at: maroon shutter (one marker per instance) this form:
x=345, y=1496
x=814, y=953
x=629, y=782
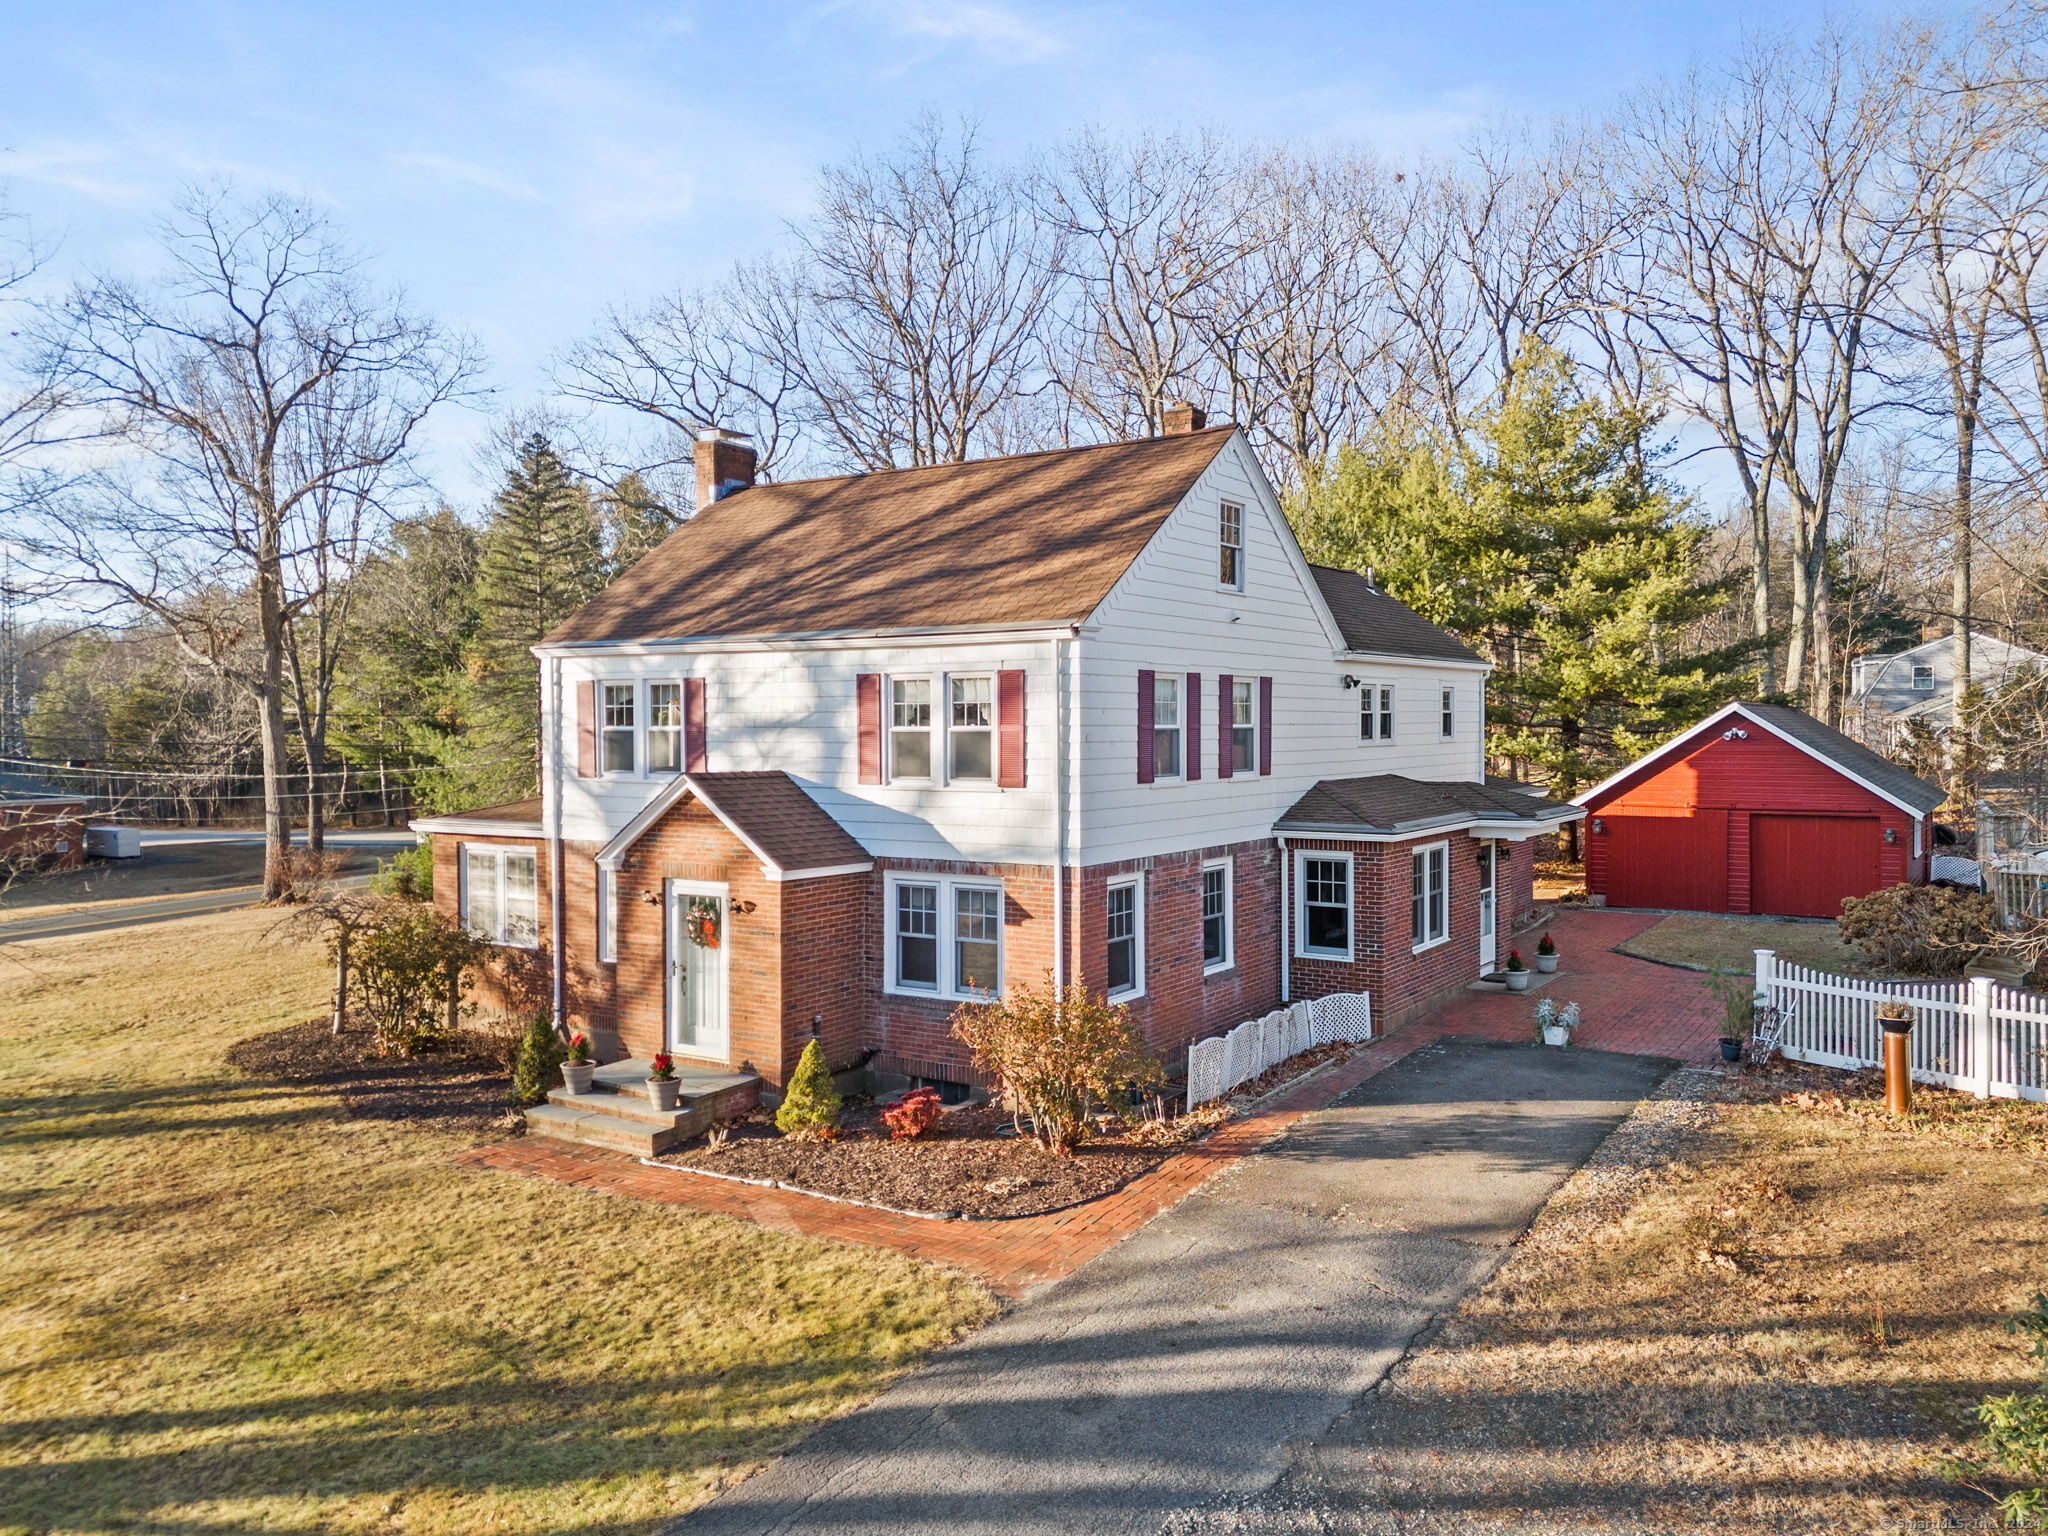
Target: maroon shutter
x=1193, y=725
x=1010, y=730
x=868, y=692
x=695, y=747
x=1144, y=727
x=1265, y=725
x=586, y=730
x=1223, y=726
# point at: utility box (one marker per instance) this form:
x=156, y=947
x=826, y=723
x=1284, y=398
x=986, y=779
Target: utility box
x=114, y=842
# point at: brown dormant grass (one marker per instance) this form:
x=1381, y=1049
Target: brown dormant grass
x=1784, y=1330
x=1707, y=940
x=227, y=1307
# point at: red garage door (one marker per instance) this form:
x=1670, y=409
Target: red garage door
x=1668, y=861
x=1802, y=866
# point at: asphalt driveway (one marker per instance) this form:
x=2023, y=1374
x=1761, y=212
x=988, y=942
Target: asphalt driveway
x=1165, y=1382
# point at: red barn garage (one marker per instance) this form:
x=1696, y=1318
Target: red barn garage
x=1758, y=809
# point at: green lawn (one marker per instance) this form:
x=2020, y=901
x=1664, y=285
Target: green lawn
x=228, y=1307
x=1706, y=941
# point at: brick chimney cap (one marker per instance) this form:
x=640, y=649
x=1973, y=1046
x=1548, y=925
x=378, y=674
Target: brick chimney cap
x=723, y=435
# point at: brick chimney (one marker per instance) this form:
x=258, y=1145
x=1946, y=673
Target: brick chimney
x=1181, y=418
x=724, y=464
x=1933, y=629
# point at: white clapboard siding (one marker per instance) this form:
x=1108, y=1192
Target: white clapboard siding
x=1977, y=1035
x=1220, y=1063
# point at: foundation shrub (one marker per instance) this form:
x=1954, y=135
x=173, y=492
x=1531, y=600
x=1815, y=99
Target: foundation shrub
x=1055, y=1057
x=1924, y=930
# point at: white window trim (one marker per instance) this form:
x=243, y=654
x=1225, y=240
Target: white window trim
x=1179, y=727
x=1913, y=678
x=497, y=853
x=1447, y=707
x=638, y=729
x=643, y=728
x=1369, y=703
x=607, y=916
x=1301, y=946
x=1251, y=769
x=1243, y=561
x=941, y=713
x=995, y=731
x=1416, y=948
x=947, y=990
x=1136, y=884
x=1229, y=958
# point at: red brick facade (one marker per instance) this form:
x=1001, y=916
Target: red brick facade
x=813, y=954
x=42, y=834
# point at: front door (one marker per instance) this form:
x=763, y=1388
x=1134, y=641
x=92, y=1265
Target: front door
x=697, y=941
x=1489, y=855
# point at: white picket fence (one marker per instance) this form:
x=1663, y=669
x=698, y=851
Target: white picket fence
x=1977, y=1035
x=1220, y=1063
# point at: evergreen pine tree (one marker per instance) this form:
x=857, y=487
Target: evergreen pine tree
x=634, y=522
x=1551, y=544
x=810, y=1103
x=542, y=558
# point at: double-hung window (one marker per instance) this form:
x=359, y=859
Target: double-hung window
x=1430, y=905
x=1244, y=726
x=1216, y=934
x=945, y=937
x=971, y=727
x=501, y=894
x=1376, y=712
x=1166, y=748
x=910, y=728
x=1124, y=932
x=1323, y=920
x=664, y=727
x=1448, y=711
x=1230, y=546
x=619, y=727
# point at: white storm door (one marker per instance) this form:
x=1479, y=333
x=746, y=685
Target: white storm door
x=1489, y=947
x=696, y=973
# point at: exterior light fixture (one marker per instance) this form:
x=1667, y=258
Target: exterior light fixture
x=1352, y=682
x=1891, y=835
x=1599, y=825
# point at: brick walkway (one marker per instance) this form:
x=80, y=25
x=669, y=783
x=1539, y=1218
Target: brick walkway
x=1630, y=1005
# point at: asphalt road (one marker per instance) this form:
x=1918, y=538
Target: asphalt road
x=106, y=916
x=1169, y=1385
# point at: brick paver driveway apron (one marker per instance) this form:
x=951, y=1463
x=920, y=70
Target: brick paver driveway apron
x=1167, y=1376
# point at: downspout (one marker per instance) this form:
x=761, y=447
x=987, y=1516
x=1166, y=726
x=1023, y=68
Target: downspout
x=1286, y=915
x=1070, y=813
x=1057, y=649
x=554, y=788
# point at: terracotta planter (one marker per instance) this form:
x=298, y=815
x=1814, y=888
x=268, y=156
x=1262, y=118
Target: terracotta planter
x=1546, y=963
x=663, y=1092
x=1518, y=981
x=1556, y=1034
x=577, y=1075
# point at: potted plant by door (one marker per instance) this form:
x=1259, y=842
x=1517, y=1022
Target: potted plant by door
x=1517, y=972
x=1546, y=954
x=662, y=1086
x=578, y=1069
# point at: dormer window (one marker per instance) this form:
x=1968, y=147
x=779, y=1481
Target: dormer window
x=1230, y=546
x=1923, y=679
x=910, y=728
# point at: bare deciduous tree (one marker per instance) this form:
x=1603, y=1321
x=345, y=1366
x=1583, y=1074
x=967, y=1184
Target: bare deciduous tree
x=255, y=383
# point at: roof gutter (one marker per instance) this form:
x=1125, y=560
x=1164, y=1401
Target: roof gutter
x=813, y=639
x=1512, y=829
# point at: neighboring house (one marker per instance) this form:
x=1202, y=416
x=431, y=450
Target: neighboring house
x=903, y=740
x=42, y=826
x=1890, y=694
x=1758, y=808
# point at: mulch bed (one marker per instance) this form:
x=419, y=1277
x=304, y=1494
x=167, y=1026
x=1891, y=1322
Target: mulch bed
x=460, y=1089
x=964, y=1166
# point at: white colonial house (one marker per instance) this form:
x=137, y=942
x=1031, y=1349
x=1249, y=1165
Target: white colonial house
x=1891, y=693
x=842, y=754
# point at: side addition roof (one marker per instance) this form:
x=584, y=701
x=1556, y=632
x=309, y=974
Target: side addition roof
x=1391, y=805
x=1876, y=773
x=1372, y=621
x=515, y=818
x=1036, y=538
x=26, y=788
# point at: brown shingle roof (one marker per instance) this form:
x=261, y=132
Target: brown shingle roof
x=771, y=811
x=512, y=811
x=1372, y=621
x=1389, y=802
x=1034, y=538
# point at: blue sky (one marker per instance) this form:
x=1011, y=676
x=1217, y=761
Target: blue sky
x=518, y=166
